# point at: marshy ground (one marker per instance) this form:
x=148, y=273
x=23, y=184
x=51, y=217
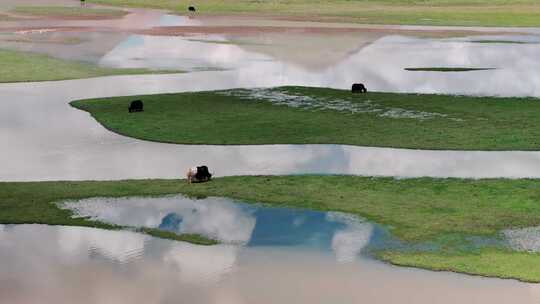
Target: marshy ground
x=447, y=214
x=304, y=115
x=256, y=80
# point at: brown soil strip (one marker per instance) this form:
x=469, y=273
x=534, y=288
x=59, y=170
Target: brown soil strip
x=254, y=30
x=37, y=29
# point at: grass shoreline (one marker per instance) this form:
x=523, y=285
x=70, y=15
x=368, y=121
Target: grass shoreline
x=451, y=270
x=442, y=212
x=69, y=12
x=33, y=67
x=399, y=12
x=386, y=120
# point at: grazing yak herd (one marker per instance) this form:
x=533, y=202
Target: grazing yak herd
x=201, y=174
x=137, y=105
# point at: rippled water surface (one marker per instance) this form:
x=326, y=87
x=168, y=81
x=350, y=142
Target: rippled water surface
x=55, y=264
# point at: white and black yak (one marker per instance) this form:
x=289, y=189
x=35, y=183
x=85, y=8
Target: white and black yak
x=198, y=174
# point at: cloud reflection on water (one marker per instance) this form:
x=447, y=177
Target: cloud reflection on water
x=35, y=270
x=233, y=222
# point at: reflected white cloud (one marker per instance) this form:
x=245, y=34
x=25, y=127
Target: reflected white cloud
x=377, y=64
x=348, y=242
x=43, y=147
x=121, y=246
x=216, y=218
x=36, y=270
x=201, y=264
x=160, y=52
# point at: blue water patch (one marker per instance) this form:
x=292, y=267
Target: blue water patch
x=233, y=222
x=171, y=222
x=292, y=227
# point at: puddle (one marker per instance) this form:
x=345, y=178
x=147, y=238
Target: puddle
x=283, y=97
x=525, y=239
x=234, y=222
x=177, y=20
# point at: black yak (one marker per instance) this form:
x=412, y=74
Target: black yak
x=136, y=106
x=192, y=9
x=358, y=88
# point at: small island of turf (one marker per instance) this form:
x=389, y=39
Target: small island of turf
x=445, y=213
x=307, y=115
x=446, y=69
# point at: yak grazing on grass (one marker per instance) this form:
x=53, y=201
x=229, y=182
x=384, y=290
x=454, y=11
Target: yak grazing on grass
x=136, y=106
x=358, y=88
x=198, y=174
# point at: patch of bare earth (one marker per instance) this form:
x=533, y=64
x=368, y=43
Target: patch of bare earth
x=254, y=30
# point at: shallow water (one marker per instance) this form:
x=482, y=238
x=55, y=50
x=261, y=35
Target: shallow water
x=46, y=139
x=49, y=140
x=281, y=97
x=523, y=239
x=376, y=64
x=55, y=264
x=234, y=222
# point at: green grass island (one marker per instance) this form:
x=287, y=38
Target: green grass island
x=307, y=115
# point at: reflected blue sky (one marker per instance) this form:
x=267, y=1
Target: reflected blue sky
x=238, y=223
